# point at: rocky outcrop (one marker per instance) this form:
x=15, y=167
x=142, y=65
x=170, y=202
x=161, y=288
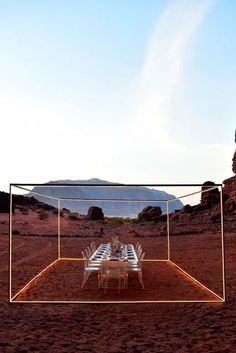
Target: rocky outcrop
x=229, y=192
x=150, y=213
x=209, y=197
x=5, y=202
x=234, y=163
x=95, y=212
x=188, y=208
x=229, y=188
x=23, y=203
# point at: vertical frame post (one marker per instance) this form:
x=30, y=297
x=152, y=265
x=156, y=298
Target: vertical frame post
x=59, y=229
x=222, y=243
x=168, y=229
x=10, y=245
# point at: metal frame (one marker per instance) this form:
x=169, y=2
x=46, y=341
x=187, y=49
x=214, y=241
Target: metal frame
x=23, y=187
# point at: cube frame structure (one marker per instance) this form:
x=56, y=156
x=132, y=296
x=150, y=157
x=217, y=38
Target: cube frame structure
x=26, y=187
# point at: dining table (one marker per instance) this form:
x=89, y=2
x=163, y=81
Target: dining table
x=125, y=253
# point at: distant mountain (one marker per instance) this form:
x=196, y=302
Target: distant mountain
x=110, y=208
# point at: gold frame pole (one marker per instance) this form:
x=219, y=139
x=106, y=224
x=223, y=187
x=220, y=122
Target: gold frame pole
x=59, y=229
x=10, y=247
x=168, y=230
x=222, y=244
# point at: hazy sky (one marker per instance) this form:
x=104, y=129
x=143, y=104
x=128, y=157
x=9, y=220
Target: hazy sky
x=133, y=91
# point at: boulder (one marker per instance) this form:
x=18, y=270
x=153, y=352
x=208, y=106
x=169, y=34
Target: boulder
x=188, y=208
x=95, y=212
x=209, y=197
x=150, y=213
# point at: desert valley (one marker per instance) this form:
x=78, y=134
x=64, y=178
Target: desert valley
x=195, y=243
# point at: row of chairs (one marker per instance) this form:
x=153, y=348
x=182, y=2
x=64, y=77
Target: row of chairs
x=138, y=249
x=137, y=266
x=90, y=266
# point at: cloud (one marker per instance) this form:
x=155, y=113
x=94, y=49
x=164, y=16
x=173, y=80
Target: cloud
x=163, y=68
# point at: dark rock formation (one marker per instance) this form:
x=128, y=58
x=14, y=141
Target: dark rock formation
x=163, y=218
x=150, y=213
x=23, y=203
x=188, y=208
x=229, y=192
x=209, y=197
x=95, y=212
x=5, y=203
x=229, y=188
x=216, y=217
x=73, y=216
x=234, y=163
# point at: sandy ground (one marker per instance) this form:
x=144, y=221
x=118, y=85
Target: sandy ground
x=165, y=327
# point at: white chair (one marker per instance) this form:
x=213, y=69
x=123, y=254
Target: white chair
x=93, y=246
x=139, y=251
x=88, y=252
x=136, y=266
x=90, y=267
x=113, y=270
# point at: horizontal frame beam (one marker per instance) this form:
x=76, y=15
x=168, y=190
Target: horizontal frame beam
x=118, y=302
x=108, y=185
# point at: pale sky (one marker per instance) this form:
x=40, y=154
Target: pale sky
x=130, y=91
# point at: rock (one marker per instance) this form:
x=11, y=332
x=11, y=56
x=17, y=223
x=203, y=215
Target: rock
x=73, y=216
x=229, y=189
x=231, y=206
x=150, y=213
x=201, y=207
x=175, y=217
x=163, y=218
x=5, y=203
x=234, y=163
x=209, y=197
x=66, y=210
x=95, y=212
x=56, y=212
x=216, y=218
x=188, y=208
x=99, y=233
x=47, y=207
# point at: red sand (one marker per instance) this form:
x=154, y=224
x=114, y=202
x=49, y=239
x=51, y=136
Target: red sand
x=62, y=282
x=179, y=328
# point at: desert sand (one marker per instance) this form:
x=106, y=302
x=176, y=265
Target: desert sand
x=118, y=328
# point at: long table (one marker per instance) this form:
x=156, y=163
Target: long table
x=103, y=252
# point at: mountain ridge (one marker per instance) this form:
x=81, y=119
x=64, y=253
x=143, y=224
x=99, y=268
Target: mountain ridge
x=138, y=195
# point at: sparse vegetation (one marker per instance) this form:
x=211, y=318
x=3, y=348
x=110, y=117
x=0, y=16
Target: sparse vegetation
x=43, y=215
x=120, y=220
